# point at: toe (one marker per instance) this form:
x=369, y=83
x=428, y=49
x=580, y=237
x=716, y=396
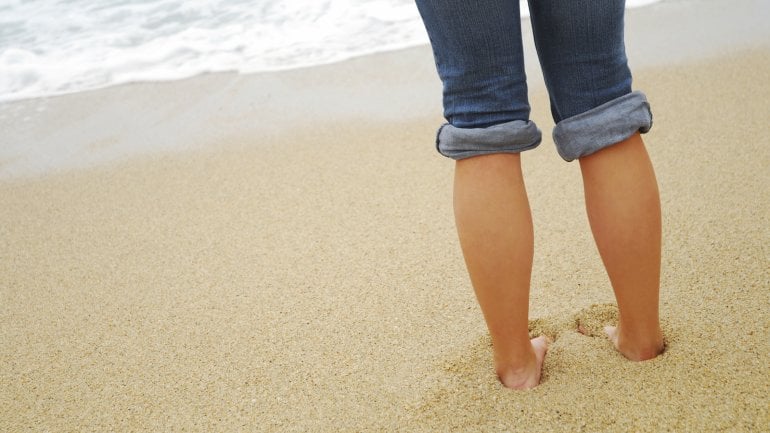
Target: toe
x=541, y=341
x=540, y=346
x=612, y=333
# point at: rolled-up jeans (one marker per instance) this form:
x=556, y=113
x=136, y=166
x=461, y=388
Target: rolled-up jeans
x=478, y=51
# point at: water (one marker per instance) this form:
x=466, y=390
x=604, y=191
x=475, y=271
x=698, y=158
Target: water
x=50, y=47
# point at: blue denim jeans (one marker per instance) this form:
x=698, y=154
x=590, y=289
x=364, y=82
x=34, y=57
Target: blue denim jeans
x=479, y=56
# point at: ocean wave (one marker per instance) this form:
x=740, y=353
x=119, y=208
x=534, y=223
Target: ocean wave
x=50, y=47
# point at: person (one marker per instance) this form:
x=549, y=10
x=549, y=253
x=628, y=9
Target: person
x=478, y=53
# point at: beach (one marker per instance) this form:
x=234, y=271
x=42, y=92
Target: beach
x=277, y=252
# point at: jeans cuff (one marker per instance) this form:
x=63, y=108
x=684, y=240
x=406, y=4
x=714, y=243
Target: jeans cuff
x=510, y=137
x=603, y=126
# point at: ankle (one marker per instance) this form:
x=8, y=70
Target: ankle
x=514, y=361
x=641, y=352
x=516, y=374
x=523, y=369
x=640, y=346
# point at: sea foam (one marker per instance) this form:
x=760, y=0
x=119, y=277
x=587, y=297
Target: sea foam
x=50, y=47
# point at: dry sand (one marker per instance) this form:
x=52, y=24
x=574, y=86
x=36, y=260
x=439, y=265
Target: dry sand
x=305, y=276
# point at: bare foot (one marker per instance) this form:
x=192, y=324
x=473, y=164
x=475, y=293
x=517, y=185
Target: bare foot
x=527, y=376
x=634, y=351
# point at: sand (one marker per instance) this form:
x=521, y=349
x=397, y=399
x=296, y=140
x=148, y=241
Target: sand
x=282, y=267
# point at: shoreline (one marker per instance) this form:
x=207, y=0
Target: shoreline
x=416, y=39
x=102, y=126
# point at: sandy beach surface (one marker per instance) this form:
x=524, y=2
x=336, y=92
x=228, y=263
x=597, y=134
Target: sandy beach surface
x=276, y=252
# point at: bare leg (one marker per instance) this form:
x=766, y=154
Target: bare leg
x=494, y=225
x=624, y=211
